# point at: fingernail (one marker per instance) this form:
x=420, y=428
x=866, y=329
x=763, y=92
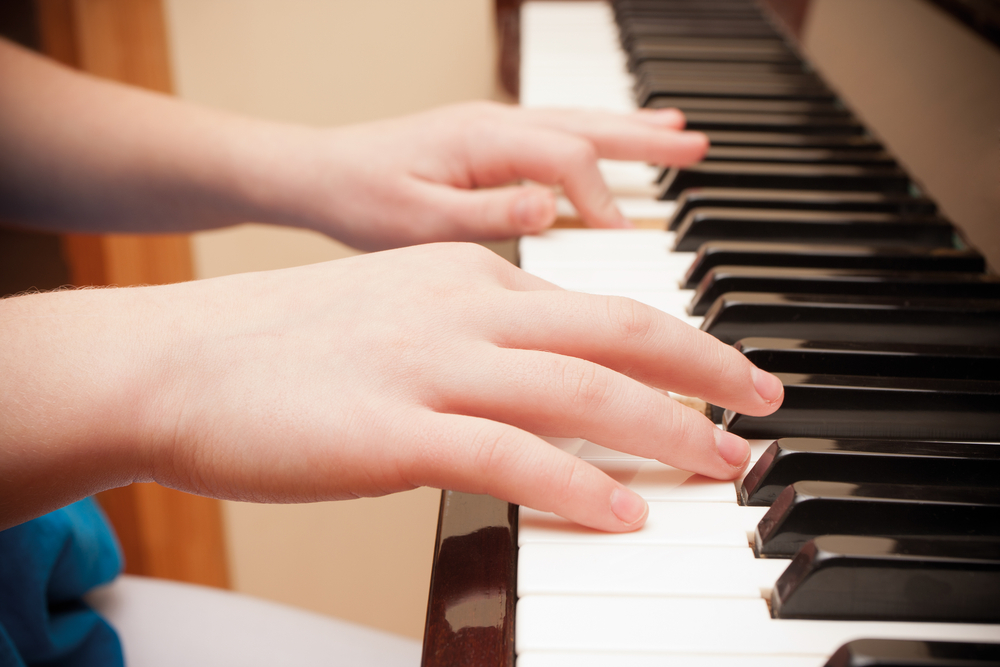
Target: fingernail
x=614, y=215
x=694, y=139
x=671, y=117
x=734, y=449
x=768, y=386
x=628, y=506
x=533, y=210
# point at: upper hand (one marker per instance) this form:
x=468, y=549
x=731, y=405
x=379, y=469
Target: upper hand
x=452, y=173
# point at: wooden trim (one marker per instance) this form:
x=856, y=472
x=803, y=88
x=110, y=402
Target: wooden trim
x=470, y=610
x=508, y=19
x=164, y=533
x=790, y=16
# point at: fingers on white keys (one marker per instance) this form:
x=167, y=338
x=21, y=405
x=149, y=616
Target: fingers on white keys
x=650, y=136
x=551, y=394
x=489, y=457
x=645, y=344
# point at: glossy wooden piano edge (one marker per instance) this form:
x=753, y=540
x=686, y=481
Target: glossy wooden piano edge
x=470, y=609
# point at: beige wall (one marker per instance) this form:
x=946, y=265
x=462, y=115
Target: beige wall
x=931, y=90
x=327, y=63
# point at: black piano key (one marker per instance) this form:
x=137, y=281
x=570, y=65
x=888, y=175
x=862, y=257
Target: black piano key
x=721, y=45
x=843, y=577
x=664, y=80
x=680, y=26
x=871, y=282
x=880, y=178
x=740, y=53
x=890, y=258
x=854, y=319
x=790, y=460
x=702, y=225
x=688, y=104
x=708, y=121
x=851, y=406
x=913, y=653
x=653, y=67
x=809, y=509
x=750, y=90
x=791, y=139
x=797, y=155
x=955, y=362
x=903, y=205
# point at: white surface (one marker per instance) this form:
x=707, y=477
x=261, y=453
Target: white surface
x=730, y=626
x=570, y=57
x=636, y=263
x=677, y=571
x=601, y=659
x=167, y=624
x=678, y=523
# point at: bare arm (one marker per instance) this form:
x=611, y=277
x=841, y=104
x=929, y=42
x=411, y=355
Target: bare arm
x=81, y=154
x=432, y=365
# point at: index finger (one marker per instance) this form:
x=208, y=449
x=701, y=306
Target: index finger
x=646, y=136
x=645, y=344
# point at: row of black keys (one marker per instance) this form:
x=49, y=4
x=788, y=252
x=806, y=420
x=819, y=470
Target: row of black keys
x=890, y=530
x=880, y=530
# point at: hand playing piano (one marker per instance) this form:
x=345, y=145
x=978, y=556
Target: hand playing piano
x=450, y=174
x=425, y=366
x=430, y=365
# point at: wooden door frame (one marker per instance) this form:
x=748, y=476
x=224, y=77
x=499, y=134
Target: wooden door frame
x=164, y=533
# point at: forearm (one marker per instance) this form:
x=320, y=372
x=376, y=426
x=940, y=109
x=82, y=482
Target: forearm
x=82, y=154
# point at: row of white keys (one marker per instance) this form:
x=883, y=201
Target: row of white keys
x=632, y=263
x=675, y=592
x=570, y=57
x=735, y=627
x=655, y=597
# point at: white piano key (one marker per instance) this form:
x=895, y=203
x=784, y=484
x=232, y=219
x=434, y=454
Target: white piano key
x=564, y=244
x=558, y=42
x=601, y=659
x=589, y=451
x=583, y=279
x=669, y=571
x=730, y=626
x=679, y=523
x=657, y=481
x=632, y=207
x=635, y=180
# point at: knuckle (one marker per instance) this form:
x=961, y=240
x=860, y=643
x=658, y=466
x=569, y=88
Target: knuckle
x=492, y=449
x=580, y=150
x=588, y=388
x=689, y=425
x=563, y=478
x=632, y=322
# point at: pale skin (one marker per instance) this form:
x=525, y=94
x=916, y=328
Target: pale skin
x=437, y=365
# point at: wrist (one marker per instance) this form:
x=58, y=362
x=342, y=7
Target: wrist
x=79, y=396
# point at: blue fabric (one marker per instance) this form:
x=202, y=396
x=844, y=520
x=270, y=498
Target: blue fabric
x=46, y=565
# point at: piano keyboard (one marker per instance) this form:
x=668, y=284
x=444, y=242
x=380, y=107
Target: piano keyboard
x=687, y=589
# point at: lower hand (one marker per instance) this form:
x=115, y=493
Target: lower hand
x=439, y=366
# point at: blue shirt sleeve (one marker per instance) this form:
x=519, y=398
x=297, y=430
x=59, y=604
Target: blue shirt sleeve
x=46, y=566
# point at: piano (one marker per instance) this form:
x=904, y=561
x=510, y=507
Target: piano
x=867, y=527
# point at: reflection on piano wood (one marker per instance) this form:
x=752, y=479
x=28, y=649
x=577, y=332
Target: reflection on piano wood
x=809, y=247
